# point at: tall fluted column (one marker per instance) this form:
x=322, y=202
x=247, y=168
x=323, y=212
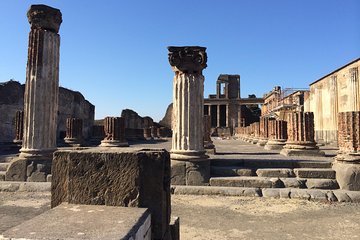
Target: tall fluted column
x=42, y=83
x=41, y=97
x=74, y=132
x=300, y=131
x=347, y=164
x=277, y=135
x=114, y=128
x=19, y=127
x=188, y=100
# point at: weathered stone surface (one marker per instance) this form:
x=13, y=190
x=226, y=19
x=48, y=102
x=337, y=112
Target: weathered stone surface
x=275, y=172
x=293, y=182
x=114, y=128
x=321, y=183
x=347, y=175
x=175, y=228
x=132, y=177
x=354, y=196
x=285, y=193
x=300, y=194
x=2, y=175
x=317, y=195
x=217, y=171
x=331, y=197
x=82, y=222
x=74, y=131
x=178, y=172
x=258, y=182
x=17, y=170
x=197, y=172
x=342, y=196
x=216, y=190
x=271, y=192
x=315, y=173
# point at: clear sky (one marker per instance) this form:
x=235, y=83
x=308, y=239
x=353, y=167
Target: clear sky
x=114, y=52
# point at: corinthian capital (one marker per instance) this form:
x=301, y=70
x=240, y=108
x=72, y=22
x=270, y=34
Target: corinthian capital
x=189, y=59
x=44, y=17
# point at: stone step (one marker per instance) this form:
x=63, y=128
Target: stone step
x=326, y=173
x=2, y=175
x=4, y=166
x=271, y=163
x=231, y=171
x=275, y=172
x=268, y=182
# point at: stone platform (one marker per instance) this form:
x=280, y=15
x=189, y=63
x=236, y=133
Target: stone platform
x=71, y=221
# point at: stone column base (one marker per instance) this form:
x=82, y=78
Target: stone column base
x=261, y=142
x=74, y=142
x=275, y=144
x=347, y=175
x=209, y=148
x=113, y=143
x=29, y=169
x=301, y=149
x=196, y=173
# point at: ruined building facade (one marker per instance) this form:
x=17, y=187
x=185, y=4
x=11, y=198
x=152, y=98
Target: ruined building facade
x=338, y=91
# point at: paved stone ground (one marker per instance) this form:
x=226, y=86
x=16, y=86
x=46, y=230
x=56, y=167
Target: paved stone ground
x=218, y=217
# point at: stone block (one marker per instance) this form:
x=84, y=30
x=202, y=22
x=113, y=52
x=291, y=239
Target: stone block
x=300, y=194
x=347, y=175
x=271, y=192
x=317, y=195
x=17, y=170
x=252, y=182
x=293, y=182
x=231, y=171
x=342, y=196
x=82, y=222
x=129, y=178
x=275, y=172
x=302, y=152
x=331, y=197
x=2, y=175
x=315, y=173
x=198, y=172
x=49, y=178
x=354, y=196
x=178, y=172
x=285, y=193
x=321, y=183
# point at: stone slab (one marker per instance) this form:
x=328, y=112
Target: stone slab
x=71, y=221
x=321, y=183
x=255, y=182
x=127, y=177
x=327, y=173
x=275, y=172
x=214, y=190
x=231, y=171
x=301, y=152
x=293, y=182
x=25, y=186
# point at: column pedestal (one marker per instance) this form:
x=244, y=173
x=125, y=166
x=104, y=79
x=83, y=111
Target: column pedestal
x=347, y=160
x=189, y=163
x=114, y=128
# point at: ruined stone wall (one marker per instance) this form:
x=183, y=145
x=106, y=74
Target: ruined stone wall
x=337, y=92
x=71, y=104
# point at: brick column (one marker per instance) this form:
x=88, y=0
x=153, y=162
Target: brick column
x=277, y=135
x=264, y=131
x=19, y=127
x=41, y=96
x=256, y=132
x=300, y=130
x=114, y=128
x=189, y=162
x=74, y=132
x=347, y=164
x=208, y=143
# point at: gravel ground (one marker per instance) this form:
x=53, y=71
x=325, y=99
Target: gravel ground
x=219, y=217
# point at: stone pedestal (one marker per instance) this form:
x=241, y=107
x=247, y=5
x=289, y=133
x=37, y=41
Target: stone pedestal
x=300, y=131
x=277, y=135
x=208, y=143
x=114, y=128
x=74, y=129
x=264, y=131
x=41, y=96
x=147, y=133
x=19, y=127
x=189, y=162
x=347, y=164
x=128, y=178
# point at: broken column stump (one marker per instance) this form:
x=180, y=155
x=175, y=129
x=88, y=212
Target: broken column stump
x=300, y=131
x=347, y=160
x=264, y=131
x=105, y=176
x=277, y=135
x=19, y=127
x=74, y=132
x=114, y=128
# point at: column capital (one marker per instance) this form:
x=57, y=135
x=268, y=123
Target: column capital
x=44, y=17
x=188, y=59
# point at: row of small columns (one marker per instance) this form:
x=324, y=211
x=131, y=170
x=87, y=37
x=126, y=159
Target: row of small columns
x=293, y=137
x=218, y=114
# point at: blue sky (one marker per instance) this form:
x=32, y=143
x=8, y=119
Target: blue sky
x=114, y=52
